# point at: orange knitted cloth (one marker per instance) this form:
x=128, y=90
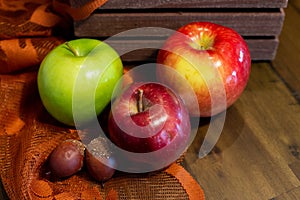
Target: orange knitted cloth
x=29, y=29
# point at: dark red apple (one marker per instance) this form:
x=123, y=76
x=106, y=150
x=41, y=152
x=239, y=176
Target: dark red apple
x=213, y=59
x=150, y=117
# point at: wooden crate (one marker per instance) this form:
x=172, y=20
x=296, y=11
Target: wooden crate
x=259, y=22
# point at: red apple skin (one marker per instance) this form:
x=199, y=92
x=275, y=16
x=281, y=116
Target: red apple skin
x=152, y=128
x=203, y=44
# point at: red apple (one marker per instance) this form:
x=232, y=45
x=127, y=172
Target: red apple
x=213, y=59
x=147, y=118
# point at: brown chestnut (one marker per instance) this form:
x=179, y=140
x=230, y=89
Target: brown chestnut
x=99, y=159
x=67, y=158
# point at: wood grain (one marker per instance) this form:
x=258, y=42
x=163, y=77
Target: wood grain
x=138, y=4
x=251, y=159
x=288, y=58
x=292, y=194
x=295, y=3
x=246, y=23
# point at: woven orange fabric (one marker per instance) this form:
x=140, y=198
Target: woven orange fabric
x=29, y=29
x=28, y=134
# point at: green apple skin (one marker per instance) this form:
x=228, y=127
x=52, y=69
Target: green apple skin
x=80, y=76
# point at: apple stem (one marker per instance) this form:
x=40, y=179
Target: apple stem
x=71, y=49
x=140, y=101
x=202, y=47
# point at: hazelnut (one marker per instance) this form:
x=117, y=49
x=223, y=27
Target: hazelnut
x=99, y=159
x=67, y=158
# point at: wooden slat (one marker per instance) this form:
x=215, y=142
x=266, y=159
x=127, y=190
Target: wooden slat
x=246, y=23
x=263, y=49
x=260, y=49
x=138, y=4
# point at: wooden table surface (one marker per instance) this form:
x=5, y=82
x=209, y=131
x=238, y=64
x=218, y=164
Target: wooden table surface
x=257, y=156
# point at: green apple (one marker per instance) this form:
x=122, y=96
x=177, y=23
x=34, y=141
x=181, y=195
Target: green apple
x=76, y=80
